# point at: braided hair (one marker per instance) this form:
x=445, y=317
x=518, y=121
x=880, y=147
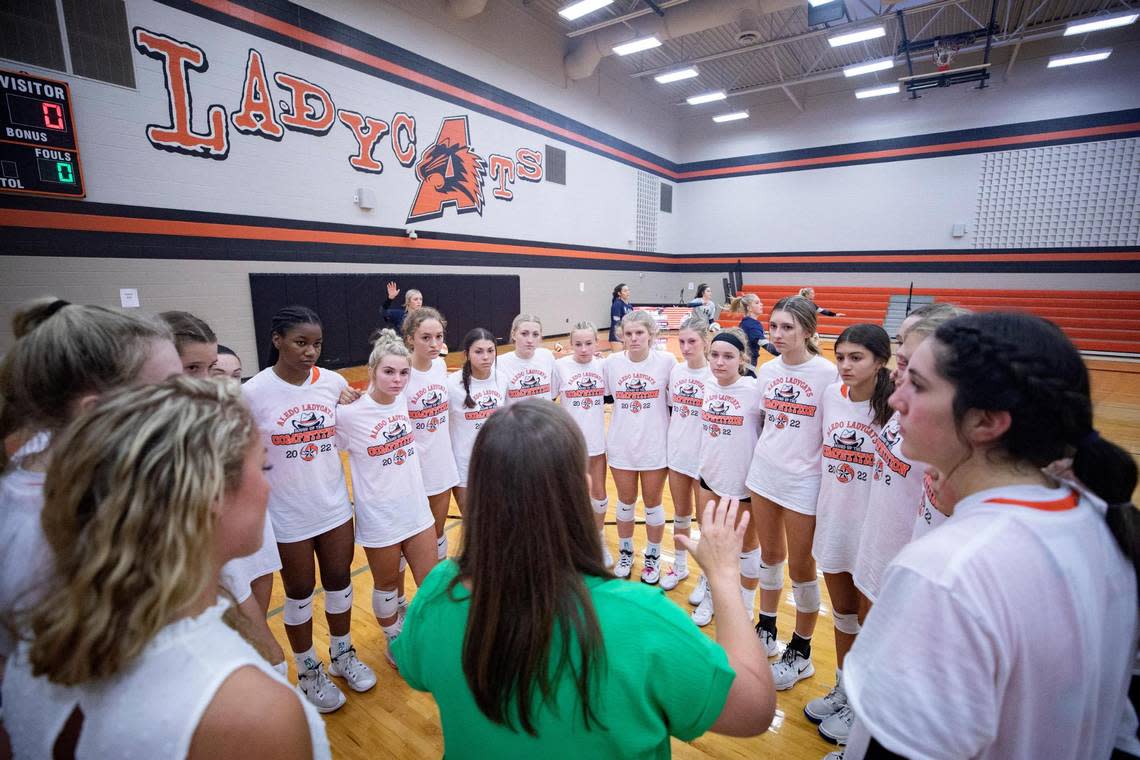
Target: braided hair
x=284, y=320
x=473, y=336
x=1026, y=366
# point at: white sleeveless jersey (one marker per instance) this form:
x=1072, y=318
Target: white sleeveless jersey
x=730, y=425
x=582, y=392
x=429, y=410
x=151, y=708
x=686, y=394
x=387, y=485
x=25, y=563
x=639, y=424
x=785, y=465
x=896, y=494
x=308, y=496
x=847, y=468
x=528, y=378
x=489, y=396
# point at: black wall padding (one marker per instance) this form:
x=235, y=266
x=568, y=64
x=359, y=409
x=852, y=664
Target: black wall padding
x=349, y=306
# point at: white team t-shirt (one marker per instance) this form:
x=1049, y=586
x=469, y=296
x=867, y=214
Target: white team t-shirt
x=582, y=392
x=429, y=410
x=387, y=484
x=785, y=465
x=489, y=395
x=1007, y=633
x=730, y=426
x=686, y=395
x=896, y=493
x=528, y=378
x=639, y=423
x=25, y=564
x=848, y=466
x=929, y=516
x=308, y=496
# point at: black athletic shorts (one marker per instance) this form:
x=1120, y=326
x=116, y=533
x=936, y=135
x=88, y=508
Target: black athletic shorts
x=707, y=487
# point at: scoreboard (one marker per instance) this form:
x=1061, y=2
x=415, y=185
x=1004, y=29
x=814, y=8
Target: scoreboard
x=39, y=153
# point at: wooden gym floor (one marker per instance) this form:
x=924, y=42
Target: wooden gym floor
x=393, y=721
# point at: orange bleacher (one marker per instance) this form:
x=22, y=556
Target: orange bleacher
x=1100, y=321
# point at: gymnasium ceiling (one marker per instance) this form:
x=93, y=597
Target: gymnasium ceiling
x=788, y=52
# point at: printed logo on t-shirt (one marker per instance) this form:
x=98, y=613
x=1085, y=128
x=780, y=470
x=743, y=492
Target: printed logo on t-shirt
x=687, y=398
x=306, y=426
x=486, y=402
x=586, y=390
x=784, y=395
x=428, y=406
x=886, y=444
x=924, y=509
x=635, y=392
x=720, y=415
x=395, y=434
x=846, y=449
x=529, y=382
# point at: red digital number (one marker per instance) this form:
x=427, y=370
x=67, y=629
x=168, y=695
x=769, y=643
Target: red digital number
x=53, y=116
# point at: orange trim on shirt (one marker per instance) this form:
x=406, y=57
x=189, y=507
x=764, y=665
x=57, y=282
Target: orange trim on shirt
x=316, y=375
x=844, y=391
x=1060, y=505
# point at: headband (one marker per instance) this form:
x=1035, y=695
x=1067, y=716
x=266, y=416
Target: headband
x=730, y=339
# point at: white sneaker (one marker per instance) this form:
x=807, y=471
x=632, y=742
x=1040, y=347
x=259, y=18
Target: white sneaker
x=838, y=727
x=700, y=592
x=670, y=578
x=791, y=668
x=319, y=689
x=768, y=641
x=348, y=666
x=703, y=614
x=624, y=564
x=651, y=569
x=607, y=558
x=388, y=651
x=834, y=755
x=824, y=707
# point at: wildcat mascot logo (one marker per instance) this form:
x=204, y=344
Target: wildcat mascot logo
x=450, y=174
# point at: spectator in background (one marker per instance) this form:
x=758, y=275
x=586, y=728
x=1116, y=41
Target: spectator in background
x=704, y=303
x=809, y=294
x=752, y=308
x=394, y=315
x=619, y=307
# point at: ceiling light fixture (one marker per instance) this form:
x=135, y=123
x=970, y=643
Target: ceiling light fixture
x=1101, y=22
x=874, y=92
x=730, y=117
x=707, y=97
x=1081, y=56
x=581, y=8
x=636, y=46
x=676, y=76
x=867, y=68
x=871, y=33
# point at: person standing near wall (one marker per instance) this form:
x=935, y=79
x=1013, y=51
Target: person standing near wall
x=752, y=308
x=704, y=303
x=295, y=405
x=619, y=307
x=809, y=294
x=394, y=315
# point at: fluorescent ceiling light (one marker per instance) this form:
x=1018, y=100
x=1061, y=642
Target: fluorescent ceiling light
x=1101, y=22
x=676, y=76
x=645, y=43
x=817, y=3
x=730, y=117
x=867, y=68
x=708, y=97
x=873, y=32
x=1083, y=56
x=581, y=8
x=875, y=92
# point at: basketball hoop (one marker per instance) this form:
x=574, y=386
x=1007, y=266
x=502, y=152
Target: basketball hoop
x=944, y=53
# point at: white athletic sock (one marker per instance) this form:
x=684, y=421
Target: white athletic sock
x=339, y=644
x=402, y=602
x=306, y=660
x=680, y=561
x=748, y=596
x=652, y=550
x=441, y=547
x=625, y=544
x=392, y=631
x=282, y=668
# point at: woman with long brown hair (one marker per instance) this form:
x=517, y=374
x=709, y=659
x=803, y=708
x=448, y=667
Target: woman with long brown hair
x=522, y=661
